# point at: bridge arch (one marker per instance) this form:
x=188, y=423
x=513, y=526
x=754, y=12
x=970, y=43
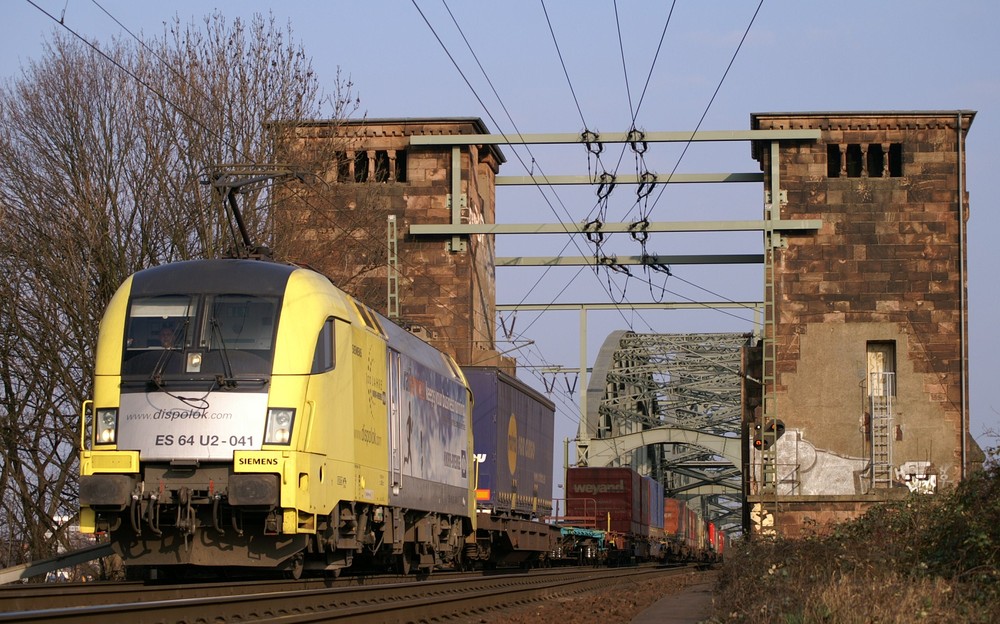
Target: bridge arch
x=604, y=451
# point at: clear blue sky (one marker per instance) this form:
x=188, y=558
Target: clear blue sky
x=798, y=56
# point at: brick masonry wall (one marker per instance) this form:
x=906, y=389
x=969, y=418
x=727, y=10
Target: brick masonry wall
x=449, y=295
x=884, y=266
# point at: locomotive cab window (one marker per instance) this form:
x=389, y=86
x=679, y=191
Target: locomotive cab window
x=324, y=358
x=159, y=323
x=238, y=334
x=207, y=335
x=157, y=331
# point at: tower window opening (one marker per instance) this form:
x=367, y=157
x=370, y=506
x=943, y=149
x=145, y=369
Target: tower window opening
x=855, y=164
x=876, y=160
x=881, y=368
x=382, y=166
x=400, y=166
x=361, y=167
x=833, y=163
x=343, y=166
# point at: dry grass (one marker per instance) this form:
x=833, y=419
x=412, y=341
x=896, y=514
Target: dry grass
x=926, y=559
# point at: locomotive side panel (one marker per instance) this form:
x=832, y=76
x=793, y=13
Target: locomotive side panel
x=321, y=380
x=432, y=405
x=369, y=421
x=328, y=415
x=514, y=436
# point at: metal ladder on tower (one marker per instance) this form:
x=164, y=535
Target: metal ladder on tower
x=769, y=449
x=392, y=270
x=880, y=395
x=774, y=197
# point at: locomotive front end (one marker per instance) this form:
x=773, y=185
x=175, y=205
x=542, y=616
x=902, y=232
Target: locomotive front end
x=182, y=459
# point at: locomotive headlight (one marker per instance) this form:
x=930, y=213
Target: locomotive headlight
x=193, y=363
x=106, y=424
x=278, y=429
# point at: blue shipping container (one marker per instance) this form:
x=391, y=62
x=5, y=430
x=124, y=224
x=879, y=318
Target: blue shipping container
x=513, y=429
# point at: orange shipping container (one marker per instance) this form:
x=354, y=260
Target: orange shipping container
x=672, y=522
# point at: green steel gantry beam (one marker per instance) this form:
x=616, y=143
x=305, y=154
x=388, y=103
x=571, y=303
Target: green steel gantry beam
x=612, y=228
x=676, y=178
x=615, y=260
x=665, y=305
x=585, y=138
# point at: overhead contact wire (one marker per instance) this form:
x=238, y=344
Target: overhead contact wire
x=167, y=100
x=700, y=121
x=489, y=114
x=132, y=75
x=621, y=48
x=562, y=62
x=711, y=100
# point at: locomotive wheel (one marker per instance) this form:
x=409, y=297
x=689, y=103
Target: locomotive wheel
x=403, y=563
x=332, y=574
x=296, y=565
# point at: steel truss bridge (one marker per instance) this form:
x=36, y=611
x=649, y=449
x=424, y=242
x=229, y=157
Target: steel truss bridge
x=670, y=406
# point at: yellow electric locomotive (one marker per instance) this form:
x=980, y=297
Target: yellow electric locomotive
x=249, y=413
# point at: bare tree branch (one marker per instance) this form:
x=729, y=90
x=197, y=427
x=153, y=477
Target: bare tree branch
x=100, y=169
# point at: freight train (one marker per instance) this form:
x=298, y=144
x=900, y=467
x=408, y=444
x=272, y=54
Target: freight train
x=620, y=501
x=638, y=522
x=249, y=414
x=610, y=515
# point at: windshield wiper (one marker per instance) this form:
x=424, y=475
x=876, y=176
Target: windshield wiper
x=227, y=380
x=156, y=377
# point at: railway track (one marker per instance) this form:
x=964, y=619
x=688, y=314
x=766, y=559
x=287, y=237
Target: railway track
x=431, y=600
x=68, y=595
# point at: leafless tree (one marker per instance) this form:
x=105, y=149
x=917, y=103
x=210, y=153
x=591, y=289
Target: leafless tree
x=103, y=155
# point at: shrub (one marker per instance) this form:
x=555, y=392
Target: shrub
x=925, y=558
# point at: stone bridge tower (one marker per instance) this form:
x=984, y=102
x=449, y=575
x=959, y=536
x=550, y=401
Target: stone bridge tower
x=352, y=223
x=867, y=365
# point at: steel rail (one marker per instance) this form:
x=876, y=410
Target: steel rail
x=66, y=595
x=421, y=600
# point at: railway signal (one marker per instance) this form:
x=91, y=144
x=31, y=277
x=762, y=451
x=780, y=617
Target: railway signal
x=763, y=439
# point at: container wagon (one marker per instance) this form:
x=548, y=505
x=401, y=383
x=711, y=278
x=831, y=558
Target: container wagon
x=689, y=537
x=619, y=497
x=513, y=430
